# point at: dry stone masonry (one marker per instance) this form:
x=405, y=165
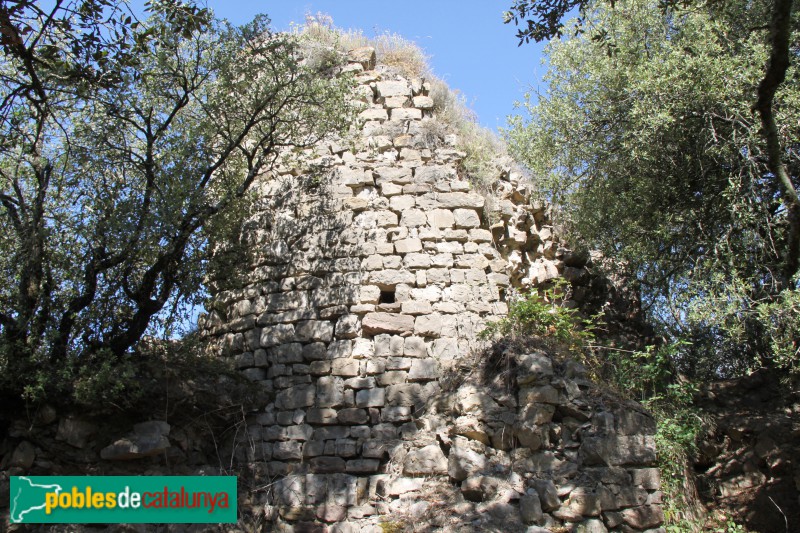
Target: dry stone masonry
x=372, y=264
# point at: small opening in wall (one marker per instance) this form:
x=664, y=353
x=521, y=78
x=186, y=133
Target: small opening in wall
x=502, y=295
x=387, y=297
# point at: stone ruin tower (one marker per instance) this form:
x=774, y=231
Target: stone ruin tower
x=374, y=263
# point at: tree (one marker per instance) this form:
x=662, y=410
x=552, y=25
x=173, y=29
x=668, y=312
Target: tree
x=649, y=138
x=123, y=142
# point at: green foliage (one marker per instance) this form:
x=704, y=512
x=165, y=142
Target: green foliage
x=654, y=155
x=126, y=147
x=541, y=315
x=648, y=377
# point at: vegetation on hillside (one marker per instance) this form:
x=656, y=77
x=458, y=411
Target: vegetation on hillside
x=668, y=138
x=123, y=144
x=648, y=140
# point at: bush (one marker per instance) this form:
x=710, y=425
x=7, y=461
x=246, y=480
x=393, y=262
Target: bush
x=541, y=315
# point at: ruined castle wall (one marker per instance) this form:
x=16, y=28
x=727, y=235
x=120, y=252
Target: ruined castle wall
x=373, y=264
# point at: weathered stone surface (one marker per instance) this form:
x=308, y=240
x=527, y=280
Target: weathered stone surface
x=405, y=113
x=321, y=416
x=393, y=88
x=353, y=416
x=404, y=246
x=425, y=461
x=329, y=391
x=276, y=334
x=463, y=462
x=23, y=455
x=296, y=397
x=148, y=439
x=428, y=325
x=364, y=55
x=423, y=370
x=348, y=327
x=371, y=398
x=387, y=323
x=466, y=218
x=619, y=450
x=390, y=278
x=75, y=432
x=530, y=508
x=441, y=218
x=548, y=494
x=643, y=517
x=461, y=199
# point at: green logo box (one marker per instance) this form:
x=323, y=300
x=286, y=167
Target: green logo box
x=123, y=499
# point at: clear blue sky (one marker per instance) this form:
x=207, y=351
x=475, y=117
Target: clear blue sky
x=468, y=44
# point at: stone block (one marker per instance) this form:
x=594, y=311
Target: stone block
x=331, y=432
x=320, y=368
x=402, y=202
x=396, y=414
x=531, y=508
x=541, y=394
x=364, y=55
x=379, y=114
x=315, y=351
x=348, y=327
x=464, y=462
x=386, y=279
x=548, y=494
x=363, y=348
x=321, y=416
x=276, y=334
x=619, y=450
x=329, y=391
x=413, y=218
x=287, y=353
x=388, y=345
x=414, y=347
x=337, y=349
x=392, y=378
x=385, y=219
x=327, y=465
x=425, y=461
x=646, y=478
x=362, y=466
x=424, y=370
x=406, y=394
x=359, y=383
x=374, y=323
x=371, y=398
x=423, y=102
x=393, y=174
x=441, y=218
x=344, y=366
x=353, y=416
x=466, y=218
x=405, y=113
x=432, y=174
x=405, y=246
x=389, y=88
x=417, y=260
x=644, y=517
x=454, y=200
x=428, y=325
x=296, y=397
x=287, y=450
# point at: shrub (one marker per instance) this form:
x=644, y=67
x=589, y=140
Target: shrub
x=541, y=315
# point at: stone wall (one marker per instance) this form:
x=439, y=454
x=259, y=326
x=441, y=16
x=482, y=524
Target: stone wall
x=373, y=262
